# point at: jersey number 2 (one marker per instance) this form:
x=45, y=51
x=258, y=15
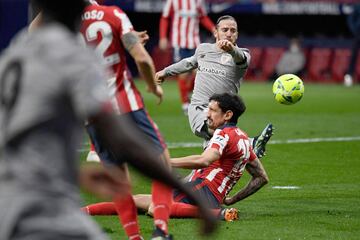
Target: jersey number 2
x=107, y=37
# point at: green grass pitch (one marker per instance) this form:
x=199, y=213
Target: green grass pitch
x=325, y=167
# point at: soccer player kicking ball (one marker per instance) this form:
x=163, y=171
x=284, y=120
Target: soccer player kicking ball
x=218, y=168
x=221, y=67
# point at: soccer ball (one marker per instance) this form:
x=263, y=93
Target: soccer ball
x=288, y=89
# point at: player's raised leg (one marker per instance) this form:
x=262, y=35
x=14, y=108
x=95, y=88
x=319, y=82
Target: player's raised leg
x=259, y=142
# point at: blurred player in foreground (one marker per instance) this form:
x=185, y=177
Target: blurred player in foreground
x=185, y=18
x=110, y=31
x=219, y=167
x=50, y=85
x=220, y=68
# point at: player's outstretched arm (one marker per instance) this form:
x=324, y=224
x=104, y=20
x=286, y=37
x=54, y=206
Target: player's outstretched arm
x=146, y=69
x=197, y=161
x=160, y=76
x=123, y=138
x=183, y=66
x=258, y=180
x=238, y=55
x=143, y=62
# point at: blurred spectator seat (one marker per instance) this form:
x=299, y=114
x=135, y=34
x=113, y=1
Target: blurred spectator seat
x=319, y=64
x=253, y=72
x=340, y=64
x=161, y=58
x=271, y=57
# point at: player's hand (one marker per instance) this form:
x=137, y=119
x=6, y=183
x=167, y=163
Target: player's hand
x=225, y=45
x=158, y=92
x=143, y=36
x=163, y=44
x=160, y=77
x=94, y=178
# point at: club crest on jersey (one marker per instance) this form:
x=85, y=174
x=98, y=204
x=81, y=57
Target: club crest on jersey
x=225, y=57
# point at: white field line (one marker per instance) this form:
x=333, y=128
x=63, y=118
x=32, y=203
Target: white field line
x=285, y=187
x=288, y=141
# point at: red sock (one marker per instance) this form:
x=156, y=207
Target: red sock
x=102, y=208
x=183, y=87
x=184, y=210
x=92, y=147
x=162, y=200
x=127, y=212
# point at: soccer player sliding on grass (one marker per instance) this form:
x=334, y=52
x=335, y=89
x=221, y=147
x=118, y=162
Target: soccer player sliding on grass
x=218, y=168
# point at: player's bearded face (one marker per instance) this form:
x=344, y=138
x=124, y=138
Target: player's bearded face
x=215, y=116
x=226, y=30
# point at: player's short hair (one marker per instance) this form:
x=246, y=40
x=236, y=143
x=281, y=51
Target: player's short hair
x=64, y=12
x=230, y=102
x=224, y=17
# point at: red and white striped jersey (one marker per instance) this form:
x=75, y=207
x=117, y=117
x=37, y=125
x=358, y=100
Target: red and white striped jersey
x=235, y=152
x=103, y=27
x=186, y=16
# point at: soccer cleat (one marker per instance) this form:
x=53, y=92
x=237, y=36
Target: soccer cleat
x=92, y=157
x=259, y=142
x=158, y=234
x=229, y=214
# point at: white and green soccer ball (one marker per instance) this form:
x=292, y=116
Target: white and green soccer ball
x=288, y=89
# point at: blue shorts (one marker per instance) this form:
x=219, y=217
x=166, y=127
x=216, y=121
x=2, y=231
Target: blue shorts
x=181, y=53
x=200, y=189
x=142, y=120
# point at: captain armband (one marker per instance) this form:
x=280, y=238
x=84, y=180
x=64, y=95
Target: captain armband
x=183, y=66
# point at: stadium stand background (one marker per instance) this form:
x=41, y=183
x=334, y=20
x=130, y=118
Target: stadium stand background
x=265, y=26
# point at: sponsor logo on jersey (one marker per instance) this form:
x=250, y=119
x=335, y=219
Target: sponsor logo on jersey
x=225, y=58
x=212, y=71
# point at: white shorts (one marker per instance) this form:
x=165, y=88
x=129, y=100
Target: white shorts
x=197, y=120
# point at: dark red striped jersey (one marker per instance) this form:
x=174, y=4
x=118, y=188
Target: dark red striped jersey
x=103, y=27
x=186, y=17
x=235, y=152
